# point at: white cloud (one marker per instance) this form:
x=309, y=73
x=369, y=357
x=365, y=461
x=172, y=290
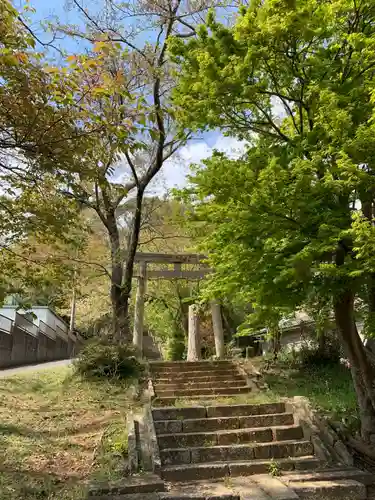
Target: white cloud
x=175, y=170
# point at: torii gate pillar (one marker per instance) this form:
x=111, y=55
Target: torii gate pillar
x=139, y=309
x=217, y=323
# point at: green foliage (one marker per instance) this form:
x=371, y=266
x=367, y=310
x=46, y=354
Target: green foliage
x=311, y=353
x=101, y=358
x=292, y=220
x=167, y=307
x=296, y=82
x=328, y=387
x=274, y=469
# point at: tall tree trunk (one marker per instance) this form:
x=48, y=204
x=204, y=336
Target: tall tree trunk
x=120, y=320
x=124, y=276
x=361, y=369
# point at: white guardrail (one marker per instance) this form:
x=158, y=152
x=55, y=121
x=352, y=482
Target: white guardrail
x=5, y=324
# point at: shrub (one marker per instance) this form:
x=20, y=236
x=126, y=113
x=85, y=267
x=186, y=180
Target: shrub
x=312, y=353
x=101, y=357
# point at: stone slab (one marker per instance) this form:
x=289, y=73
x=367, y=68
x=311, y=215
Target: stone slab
x=245, y=410
x=174, y=457
x=206, y=377
x=168, y=426
x=221, y=453
x=196, y=391
x=249, y=468
x=207, y=489
x=274, y=487
x=194, y=472
x=173, y=385
x=327, y=490
x=270, y=420
x=210, y=424
x=361, y=476
x=145, y=483
x=287, y=433
x=224, y=437
x=244, y=436
x=179, y=413
x=283, y=449
x=247, y=489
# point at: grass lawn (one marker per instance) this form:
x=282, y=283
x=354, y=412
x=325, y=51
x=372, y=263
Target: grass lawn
x=329, y=388
x=57, y=432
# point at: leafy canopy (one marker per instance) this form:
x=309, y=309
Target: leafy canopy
x=296, y=79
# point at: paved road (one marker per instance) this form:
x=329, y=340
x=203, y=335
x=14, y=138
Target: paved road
x=42, y=366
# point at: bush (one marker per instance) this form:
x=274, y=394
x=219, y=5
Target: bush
x=101, y=357
x=310, y=353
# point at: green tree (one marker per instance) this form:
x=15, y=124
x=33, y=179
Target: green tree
x=296, y=80
x=37, y=140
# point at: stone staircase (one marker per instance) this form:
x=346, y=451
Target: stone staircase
x=182, y=380
x=218, y=441
x=202, y=449
x=243, y=446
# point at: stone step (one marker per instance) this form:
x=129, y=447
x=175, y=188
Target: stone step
x=345, y=489
x=198, y=379
x=208, y=490
x=223, y=423
x=146, y=483
x=195, y=374
x=181, y=393
x=241, y=410
x=193, y=472
x=175, y=400
x=233, y=436
x=274, y=487
x=169, y=496
x=175, y=364
x=173, y=386
x=217, y=411
x=240, y=452
x=331, y=474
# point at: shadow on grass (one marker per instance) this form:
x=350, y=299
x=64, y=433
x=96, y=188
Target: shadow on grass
x=29, y=485
x=56, y=431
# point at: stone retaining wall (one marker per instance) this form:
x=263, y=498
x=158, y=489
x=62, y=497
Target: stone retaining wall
x=20, y=347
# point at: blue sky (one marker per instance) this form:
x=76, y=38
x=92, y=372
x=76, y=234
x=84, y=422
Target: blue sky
x=175, y=170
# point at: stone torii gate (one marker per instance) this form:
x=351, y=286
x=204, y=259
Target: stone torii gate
x=175, y=260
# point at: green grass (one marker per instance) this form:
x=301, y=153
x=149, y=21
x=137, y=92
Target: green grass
x=58, y=432
x=329, y=388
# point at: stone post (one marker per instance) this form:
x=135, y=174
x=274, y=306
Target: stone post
x=217, y=323
x=194, y=347
x=139, y=310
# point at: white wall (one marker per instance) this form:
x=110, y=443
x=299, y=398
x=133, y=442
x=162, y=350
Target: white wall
x=42, y=313
x=8, y=312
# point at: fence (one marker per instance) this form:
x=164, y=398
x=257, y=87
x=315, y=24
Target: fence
x=22, y=342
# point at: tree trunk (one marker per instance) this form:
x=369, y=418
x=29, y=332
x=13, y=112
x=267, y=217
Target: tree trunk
x=361, y=369
x=121, y=278
x=276, y=342
x=127, y=275
x=322, y=341
x=194, y=348
x=120, y=320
